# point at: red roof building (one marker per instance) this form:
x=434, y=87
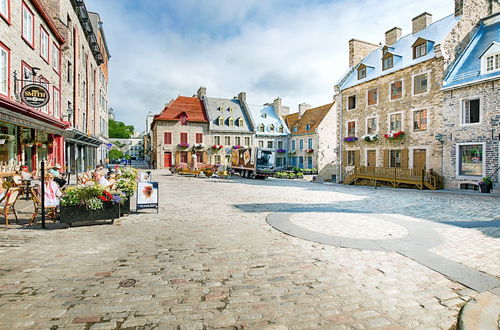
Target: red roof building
x=190, y=107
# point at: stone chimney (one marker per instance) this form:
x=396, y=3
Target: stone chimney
x=459, y=7
x=202, y=91
x=358, y=50
x=393, y=35
x=281, y=110
x=242, y=97
x=303, y=107
x=421, y=22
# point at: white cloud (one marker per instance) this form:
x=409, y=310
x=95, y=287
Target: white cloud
x=293, y=49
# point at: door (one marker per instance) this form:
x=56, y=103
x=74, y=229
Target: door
x=371, y=158
x=167, y=159
x=419, y=159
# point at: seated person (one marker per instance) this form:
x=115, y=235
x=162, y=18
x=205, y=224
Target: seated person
x=52, y=191
x=57, y=175
x=25, y=174
x=100, y=179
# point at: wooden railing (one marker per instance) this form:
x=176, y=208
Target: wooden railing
x=395, y=176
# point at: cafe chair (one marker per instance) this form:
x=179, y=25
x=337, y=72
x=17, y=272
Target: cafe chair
x=10, y=203
x=50, y=211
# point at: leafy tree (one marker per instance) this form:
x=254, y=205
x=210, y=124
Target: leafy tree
x=115, y=154
x=119, y=130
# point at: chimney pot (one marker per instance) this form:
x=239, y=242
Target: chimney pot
x=421, y=22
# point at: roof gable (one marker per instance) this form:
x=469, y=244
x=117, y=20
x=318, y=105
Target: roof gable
x=312, y=117
x=191, y=107
x=266, y=115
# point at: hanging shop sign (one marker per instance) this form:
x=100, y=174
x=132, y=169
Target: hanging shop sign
x=35, y=96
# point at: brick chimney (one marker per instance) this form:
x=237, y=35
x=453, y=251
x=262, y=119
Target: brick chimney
x=202, y=91
x=358, y=50
x=303, y=107
x=281, y=110
x=393, y=35
x=421, y=22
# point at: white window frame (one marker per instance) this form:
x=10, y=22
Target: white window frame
x=494, y=52
x=402, y=120
x=428, y=74
x=247, y=139
x=402, y=90
x=310, y=143
x=44, y=44
x=227, y=140
x=301, y=144
x=378, y=97
x=377, y=130
x=6, y=51
x=355, y=127
x=217, y=140
x=424, y=45
x=457, y=161
x=462, y=108
x=27, y=28
x=347, y=102
x=428, y=119
x=56, y=58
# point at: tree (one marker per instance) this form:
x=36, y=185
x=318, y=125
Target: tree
x=119, y=130
x=115, y=154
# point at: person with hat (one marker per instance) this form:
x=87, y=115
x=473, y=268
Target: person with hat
x=57, y=175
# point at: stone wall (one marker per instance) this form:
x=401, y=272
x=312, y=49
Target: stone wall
x=486, y=132
x=327, y=145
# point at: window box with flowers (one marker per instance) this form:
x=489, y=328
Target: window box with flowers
x=4, y=138
x=199, y=146
x=237, y=147
x=281, y=151
x=292, y=152
x=40, y=144
x=309, y=151
x=350, y=139
x=28, y=142
x=395, y=135
x=217, y=146
x=370, y=137
x=183, y=145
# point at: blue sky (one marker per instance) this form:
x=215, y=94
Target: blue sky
x=294, y=49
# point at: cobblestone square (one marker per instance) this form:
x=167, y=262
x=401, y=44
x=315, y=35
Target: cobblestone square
x=209, y=259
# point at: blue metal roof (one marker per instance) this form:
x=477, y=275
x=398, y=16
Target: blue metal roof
x=226, y=109
x=468, y=67
x=266, y=114
x=403, y=51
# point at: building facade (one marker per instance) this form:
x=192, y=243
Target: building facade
x=133, y=146
x=390, y=103
x=471, y=113
x=30, y=54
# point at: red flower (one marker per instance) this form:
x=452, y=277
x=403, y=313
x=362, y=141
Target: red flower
x=106, y=196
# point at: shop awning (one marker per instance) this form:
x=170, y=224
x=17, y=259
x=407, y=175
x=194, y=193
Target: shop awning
x=80, y=137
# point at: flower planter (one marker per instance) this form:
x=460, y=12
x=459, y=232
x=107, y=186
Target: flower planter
x=125, y=207
x=484, y=188
x=72, y=214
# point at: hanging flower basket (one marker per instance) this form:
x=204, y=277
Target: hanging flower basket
x=39, y=144
x=183, y=145
x=28, y=142
x=350, y=139
x=394, y=135
x=281, y=151
x=217, y=146
x=237, y=147
x=310, y=151
x=292, y=152
x=370, y=137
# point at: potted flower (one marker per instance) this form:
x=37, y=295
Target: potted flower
x=394, y=135
x=183, y=145
x=199, y=146
x=4, y=138
x=292, y=152
x=310, y=151
x=237, y=147
x=350, y=139
x=486, y=185
x=281, y=151
x=370, y=137
x=217, y=146
x=28, y=142
x=127, y=186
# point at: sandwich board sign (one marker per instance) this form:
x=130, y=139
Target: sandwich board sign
x=147, y=195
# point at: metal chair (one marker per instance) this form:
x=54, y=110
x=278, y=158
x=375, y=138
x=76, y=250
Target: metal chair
x=10, y=203
x=51, y=211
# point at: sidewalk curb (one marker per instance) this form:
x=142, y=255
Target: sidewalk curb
x=481, y=312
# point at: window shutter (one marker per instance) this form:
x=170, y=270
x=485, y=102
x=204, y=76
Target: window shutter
x=356, y=158
x=189, y=157
x=404, y=158
x=177, y=157
x=344, y=158
x=386, y=158
x=167, y=138
x=184, y=138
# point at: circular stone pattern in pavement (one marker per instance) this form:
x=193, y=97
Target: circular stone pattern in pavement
x=352, y=225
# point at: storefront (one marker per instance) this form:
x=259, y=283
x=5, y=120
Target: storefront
x=82, y=151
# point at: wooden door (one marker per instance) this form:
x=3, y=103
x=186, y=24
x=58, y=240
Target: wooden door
x=419, y=159
x=371, y=158
x=167, y=159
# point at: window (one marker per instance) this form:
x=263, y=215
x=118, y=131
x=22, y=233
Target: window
x=261, y=144
x=55, y=58
x=280, y=144
x=362, y=72
x=387, y=62
x=184, y=137
x=4, y=69
x=217, y=140
x=270, y=144
x=351, y=157
x=420, y=120
x=44, y=44
x=470, y=111
x=5, y=9
x=230, y=121
x=395, y=122
x=184, y=157
x=308, y=127
x=295, y=129
x=199, y=138
x=264, y=115
x=372, y=96
x=371, y=125
x=271, y=128
x=28, y=22
x=280, y=129
x=247, y=141
x=237, y=141
x=227, y=140
x=420, y=85
x=397, y=90
x=56, y=103
x=309, y=162
x=301, y=144
x=293, y=144
x=45, y=83
x=27, y=73
x=301, y=162
x=493, y=62
x=351, y=128
x=470, y=158
x=261, y=128
x=309, y=143
x=420, y=50
x=217, y=159
x=240, y=122
x=395, y=158
x=351, y=102
x=220, y=121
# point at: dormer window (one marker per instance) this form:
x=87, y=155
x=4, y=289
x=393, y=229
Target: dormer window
x=240, y=122
x=490, y=58
x=280, y=129
x=230, y=109
x=264, y=115
x=261, y=128
x=221, y=108
x=220, y=121
x=387, y=61
x=419, y=48
x=295, y=129
x=308, y=127
x=271, y=128
x=493, y=63
x=230, y=121
x=361, y=72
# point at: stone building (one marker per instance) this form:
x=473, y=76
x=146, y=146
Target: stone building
x=133, y=146
x=471, y=112
x=270, y=129
x=30, y=54
x=312, y=140
x=179, y=132
x=390, y=103
x=229, y=126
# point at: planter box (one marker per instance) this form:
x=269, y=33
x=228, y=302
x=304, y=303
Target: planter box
x=72, y=214
x=125, y=207
x=485, y=188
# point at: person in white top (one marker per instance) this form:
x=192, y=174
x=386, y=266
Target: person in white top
x=52, y=191
x=100, y=179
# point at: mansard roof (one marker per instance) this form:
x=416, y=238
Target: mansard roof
x=226, y=108
x=266, y=115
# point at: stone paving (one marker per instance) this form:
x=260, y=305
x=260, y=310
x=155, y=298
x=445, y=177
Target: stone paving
x=210, y=260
